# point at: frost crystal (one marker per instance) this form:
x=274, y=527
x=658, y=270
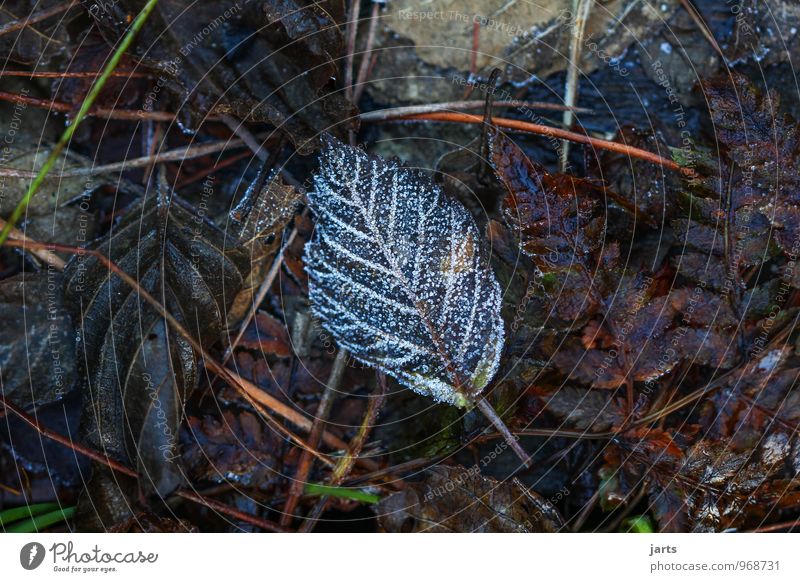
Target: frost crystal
x=398, y=274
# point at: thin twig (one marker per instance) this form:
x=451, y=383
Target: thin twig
x=473, y=58
x=153, y=134
x=244, y=134
x=305, y=463
x=350, y=33
x=119, y=114
x=211, y=169
x=174, y=155
x=36, y=17
x=345, y=464
x=586, y=511
x=363, y=71
x=398, y=112
x=704, y=29
x=483, y=405
x=46, y=256
x=233, y=512
x=73, y=75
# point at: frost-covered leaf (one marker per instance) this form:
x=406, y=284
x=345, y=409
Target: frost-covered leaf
x=398, y=274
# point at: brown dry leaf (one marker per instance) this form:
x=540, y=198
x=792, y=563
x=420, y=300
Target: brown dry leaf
x=534, y=36
x=238, y=448
x=557, y=221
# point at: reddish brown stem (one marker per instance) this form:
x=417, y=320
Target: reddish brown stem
x=306, y=461
x=211, y=169
x=363, y=71
x=233, y=512
x=122, y=114
x=346, y=462
x=554, y=132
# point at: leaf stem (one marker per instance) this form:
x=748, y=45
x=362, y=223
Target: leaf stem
x=492, y=416
x=85, y=106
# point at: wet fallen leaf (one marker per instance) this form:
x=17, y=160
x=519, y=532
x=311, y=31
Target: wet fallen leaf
x=37, y=353
x=460, y=499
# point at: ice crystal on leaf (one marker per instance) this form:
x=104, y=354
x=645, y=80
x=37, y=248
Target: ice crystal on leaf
x=399, y=275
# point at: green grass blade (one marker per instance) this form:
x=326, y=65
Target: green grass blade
x=8, y=516
x=84, y=109
x=41, y=522
x=344, y=492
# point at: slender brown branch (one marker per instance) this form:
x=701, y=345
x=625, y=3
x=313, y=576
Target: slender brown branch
x=36, y=17
x=571, y=86
x=211, y=169
x=586, y=511
x=233, y=512
x=704, y=29
x=54, y=436
x=557, y=133
x=398, y=112
x=305, y=463
x=121, y=114
x=483, y=405
x=350, y=32
x=244, y=134
x=174, y=155
x=74, y=75
x=346, y=463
